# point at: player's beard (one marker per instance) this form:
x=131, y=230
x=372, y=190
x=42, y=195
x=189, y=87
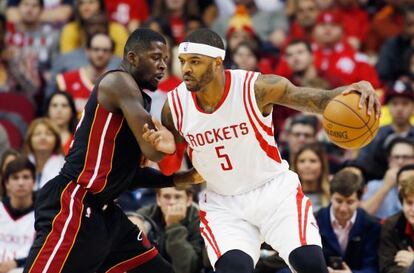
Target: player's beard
x=205, y=79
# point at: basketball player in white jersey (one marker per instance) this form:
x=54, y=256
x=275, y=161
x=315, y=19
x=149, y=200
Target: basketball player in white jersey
x=225, y=118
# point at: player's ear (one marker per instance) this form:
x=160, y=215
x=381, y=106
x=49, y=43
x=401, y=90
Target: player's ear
x=133, y=58
x=218, y=62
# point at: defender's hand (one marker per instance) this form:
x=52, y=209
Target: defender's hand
x=186, y=178
x=160, y=138
x=367, y=93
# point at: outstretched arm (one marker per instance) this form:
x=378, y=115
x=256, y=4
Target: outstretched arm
x=273, y=89
x=118, y=92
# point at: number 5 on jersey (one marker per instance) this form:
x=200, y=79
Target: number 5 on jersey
x=220, y=154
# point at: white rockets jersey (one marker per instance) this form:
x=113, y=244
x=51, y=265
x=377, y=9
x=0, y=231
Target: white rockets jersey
x=233, y=148
x=16, y=236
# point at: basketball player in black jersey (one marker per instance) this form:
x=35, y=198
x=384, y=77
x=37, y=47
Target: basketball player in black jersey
x=79, y=228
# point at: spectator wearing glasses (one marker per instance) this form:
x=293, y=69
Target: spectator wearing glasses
x=79, y=82
x=381, y=198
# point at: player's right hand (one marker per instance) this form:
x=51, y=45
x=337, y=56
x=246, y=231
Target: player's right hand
x=161, y=139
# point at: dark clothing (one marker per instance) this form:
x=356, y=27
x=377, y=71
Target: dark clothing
x=181, y=244
x=78, y=226
x=361, y=253
x=374, y=156
x=394, y=58
x=393, y=239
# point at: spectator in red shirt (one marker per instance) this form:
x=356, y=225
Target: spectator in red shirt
x=130, y=13
x=305, y=18
x=79, y=83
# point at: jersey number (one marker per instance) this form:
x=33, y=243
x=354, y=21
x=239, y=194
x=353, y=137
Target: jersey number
x=227, y=165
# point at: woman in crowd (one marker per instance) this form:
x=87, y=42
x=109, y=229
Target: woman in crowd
x=312, y=167
x=43, y=147
x=62, y=112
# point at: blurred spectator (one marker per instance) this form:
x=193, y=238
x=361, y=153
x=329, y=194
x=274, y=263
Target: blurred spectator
x=226, y=8
x=17, y=214
x=31, y=47
x=381, y=196
x=43, y=147
x=349, y=235
x=4, y=140
x=267, y=25
x=395, y=51
x=306, y=13
x=91, y=18
x=176, y=12
x=246, y=56
x=355, y=21
x=6, y=158
x=62, y=112
x=397, y=235
x=335, y=57
x=399, y=98
x=326, y=5
x=302, y=130
x=311, y=164
x=7, y=80
x=79, y=83
x=177, y=221
x=129, y=13
x=387, y=22
x=55, y=13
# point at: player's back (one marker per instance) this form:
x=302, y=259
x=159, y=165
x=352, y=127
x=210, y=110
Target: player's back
x=104, y=155
x=233, y=148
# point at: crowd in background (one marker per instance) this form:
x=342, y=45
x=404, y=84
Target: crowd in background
x=53, y=51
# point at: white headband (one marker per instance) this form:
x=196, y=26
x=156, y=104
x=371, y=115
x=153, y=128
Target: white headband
x=196, y=48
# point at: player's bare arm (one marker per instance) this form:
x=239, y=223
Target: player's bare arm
x=118, y=92
x=273, y=89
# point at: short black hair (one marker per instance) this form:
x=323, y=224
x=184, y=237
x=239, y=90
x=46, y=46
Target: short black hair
x=17, y=165
x=205, y=36
x=346, y=182
x=300, y=41
x=41, y=3
x=304, y=119
x=409, y=167
x=141, y=39
x=398, y=140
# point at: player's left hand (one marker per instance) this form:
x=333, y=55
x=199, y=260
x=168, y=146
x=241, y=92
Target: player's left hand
x=345, y=270
x=367, y=93
x=160, y=138
x=404, y=258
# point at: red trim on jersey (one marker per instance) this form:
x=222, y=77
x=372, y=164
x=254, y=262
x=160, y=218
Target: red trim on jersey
x=223, y=97
x=101, y=145
x=181, y=114
x=177, y=114
x=190, y=153
x=302, y=228
x=204, y=234
x=134, y=262
x=213, y=243
x=271, y=151
x=265, y=128
x=65, y=227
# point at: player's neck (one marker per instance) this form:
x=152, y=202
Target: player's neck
x=211, y=95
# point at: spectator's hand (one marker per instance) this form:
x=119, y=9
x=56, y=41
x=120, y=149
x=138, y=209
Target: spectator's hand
x=161, y=139
x=367, y=94
x=390, y=177
x=174, y=214
x=345, y=270
x=404, y=258
x=7, y=266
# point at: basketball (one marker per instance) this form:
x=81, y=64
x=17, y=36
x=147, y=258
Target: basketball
x=347, y=125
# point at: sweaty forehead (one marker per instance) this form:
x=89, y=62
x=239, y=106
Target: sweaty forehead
x=189, y=56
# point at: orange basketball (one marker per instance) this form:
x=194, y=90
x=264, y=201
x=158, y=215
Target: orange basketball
x=347, y=125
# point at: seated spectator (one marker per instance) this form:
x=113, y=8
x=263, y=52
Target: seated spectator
x=349, y=235
x=7, y=157
x=17, y=214
x=397, y=234
x=311, y=165
x=129, y=13
x=246, y=56
x=399, y=98
x=62, y=112
x=381, y=197
x=176, y=219
x=79, y=83
x=43, y=147
x=302, y=130
x=4, y=140
x=305, y=16
x=91, y=16
x=55, y=13
x=396, y=50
